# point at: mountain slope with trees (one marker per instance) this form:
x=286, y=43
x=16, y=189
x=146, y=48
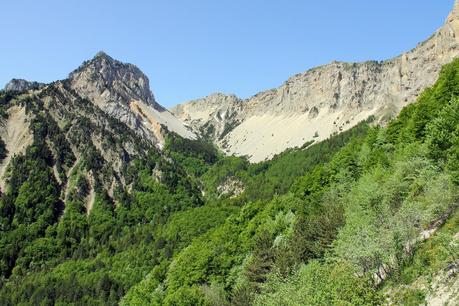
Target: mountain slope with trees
x=95, y=213
x=341, y=230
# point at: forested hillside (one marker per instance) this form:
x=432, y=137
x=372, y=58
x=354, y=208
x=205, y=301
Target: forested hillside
x=352, y=220
x=335, y=223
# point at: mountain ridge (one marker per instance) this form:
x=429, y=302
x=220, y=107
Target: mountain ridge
x=16, y=85
x=121, y=90
x=104, y=112
x=321, y=101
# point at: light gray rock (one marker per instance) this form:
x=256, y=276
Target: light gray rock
x=104, y=79
x=213, y=116
x=21, y=85
x=327, y=99
x=231, y=187
x=123, y=91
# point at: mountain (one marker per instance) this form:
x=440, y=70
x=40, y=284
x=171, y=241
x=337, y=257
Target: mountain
x=107, y=199
x=21, y=85
x=322, y=101
x=87, y=154
x=107, y=87
x=103, y=115
x=123, y=92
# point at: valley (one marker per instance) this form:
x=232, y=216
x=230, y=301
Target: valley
x=340, y=187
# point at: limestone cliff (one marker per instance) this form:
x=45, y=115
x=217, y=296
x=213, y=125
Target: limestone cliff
x=123, y=91
x=322, y=101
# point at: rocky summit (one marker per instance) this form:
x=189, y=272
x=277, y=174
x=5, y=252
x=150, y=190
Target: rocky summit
x=322, y=101
x=106, y=80
x=123, y=91
x=104, y=111
x=17, y=85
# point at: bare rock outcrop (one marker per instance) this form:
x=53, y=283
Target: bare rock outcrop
x=212, y=116
x=231, y=187
x=327, y=99
x=123, y=92
x=106, y=80
x=18, y=85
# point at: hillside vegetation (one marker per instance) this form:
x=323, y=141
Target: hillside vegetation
x=334, y=223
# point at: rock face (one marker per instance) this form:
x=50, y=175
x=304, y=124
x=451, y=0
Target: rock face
x=105, y=80
x=231, y=187
x=21, y=85
x=123, y=91
x=213, y=116
x=323, y=100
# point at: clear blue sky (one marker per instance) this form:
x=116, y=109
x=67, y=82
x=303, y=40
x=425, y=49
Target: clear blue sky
x=191, y=48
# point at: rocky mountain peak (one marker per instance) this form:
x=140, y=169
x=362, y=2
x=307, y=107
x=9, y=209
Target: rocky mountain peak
x=102, y=54
x=123, y=91
x=106, y=80
x=21, y=85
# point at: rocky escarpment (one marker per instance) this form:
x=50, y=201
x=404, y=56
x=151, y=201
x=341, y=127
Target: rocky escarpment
x=123, y=92
x=17, y=85
x=231, y=187
x=322, y=101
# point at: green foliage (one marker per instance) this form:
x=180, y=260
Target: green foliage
x=5, y=99
x=3, y=150
x=274, y=177
x=411, y=296
x=194, y=155
x=192, y=148
x=186, y=296
x=389, y=209
x=29, y=206
x=320, y=284
x=429, y=262
x=316, y=225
